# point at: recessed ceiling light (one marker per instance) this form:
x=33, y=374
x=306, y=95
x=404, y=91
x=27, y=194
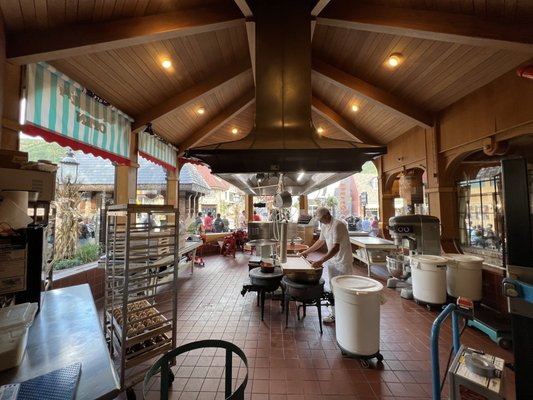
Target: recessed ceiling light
x=320, y=130
x=395, y=59
x=200, y=110
x=234, y=131
x=355, y=108
x=166, y=63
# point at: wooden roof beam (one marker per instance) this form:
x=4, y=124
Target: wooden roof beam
x=432, y=25
x=250, y=29
x=50, y=44
x=340, y=122
x=186, y=97
x=208, y=129
x=373, y=93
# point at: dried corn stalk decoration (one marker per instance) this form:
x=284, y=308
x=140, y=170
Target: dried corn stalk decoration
x=68, y=217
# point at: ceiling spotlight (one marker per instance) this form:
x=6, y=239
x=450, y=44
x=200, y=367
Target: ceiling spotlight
x=166, y=63
x=300, y=176
x=234, y=131
x=355, y=108
x=200, y=110
x=395, y=59
x=320, y=130
x=260, y=176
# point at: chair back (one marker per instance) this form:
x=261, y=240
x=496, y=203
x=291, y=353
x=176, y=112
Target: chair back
x=163, y=365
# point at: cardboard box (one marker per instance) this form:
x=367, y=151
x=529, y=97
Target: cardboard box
x=29, y=180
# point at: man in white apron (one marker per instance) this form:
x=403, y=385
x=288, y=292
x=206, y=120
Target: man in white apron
x=339, y=257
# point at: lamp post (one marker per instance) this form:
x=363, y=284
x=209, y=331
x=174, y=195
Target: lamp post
x=69, y=168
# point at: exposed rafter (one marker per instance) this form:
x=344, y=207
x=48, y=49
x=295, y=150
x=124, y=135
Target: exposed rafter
x=43, y=45
x=208, y=129
x=182, y=99
x=372, y=93
x=340, y=122
x=432, y=25
x=250, y=29
x=317, y=9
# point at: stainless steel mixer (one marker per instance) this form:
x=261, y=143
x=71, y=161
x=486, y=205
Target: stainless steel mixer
x=419, y=234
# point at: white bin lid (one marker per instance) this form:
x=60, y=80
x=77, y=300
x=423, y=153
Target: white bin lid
x=464, y=259
x=429, y=261
x=353, y=284
x=17, y=317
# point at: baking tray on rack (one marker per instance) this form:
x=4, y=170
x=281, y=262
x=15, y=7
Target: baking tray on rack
x=147, y=332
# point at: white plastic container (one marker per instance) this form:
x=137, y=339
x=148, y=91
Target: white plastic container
x=357, y=302
x=14, y=324
x=463, y=276
x=428, y=274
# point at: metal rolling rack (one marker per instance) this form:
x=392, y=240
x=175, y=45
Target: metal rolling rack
x=138, y=323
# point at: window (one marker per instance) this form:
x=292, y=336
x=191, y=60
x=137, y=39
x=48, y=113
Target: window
x=480, y=211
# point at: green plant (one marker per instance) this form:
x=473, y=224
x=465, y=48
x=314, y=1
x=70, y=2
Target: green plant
x=65, y=264
x=88, y=252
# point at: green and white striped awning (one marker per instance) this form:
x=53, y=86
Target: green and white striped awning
x=154, y=149
x=60, y=110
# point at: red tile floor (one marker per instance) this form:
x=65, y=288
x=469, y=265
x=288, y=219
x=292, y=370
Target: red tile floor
x=298, y=363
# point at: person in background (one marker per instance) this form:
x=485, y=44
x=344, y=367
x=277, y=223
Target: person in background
x=198, y=219
x=242, y=221
x=366, y=224
x=374, y=227
x=338, y=259
x=256, y=216
x=225, y=221
x=84, y=232
x=208, y=222
x=200, y=229
x=218, y=224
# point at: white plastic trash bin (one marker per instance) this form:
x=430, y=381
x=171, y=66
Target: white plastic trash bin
x=428, y=275
x=357, y=302
x=463, y=276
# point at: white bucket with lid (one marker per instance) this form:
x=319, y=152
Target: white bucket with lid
x=428, y=274
x=357, y=302
x=463, y=276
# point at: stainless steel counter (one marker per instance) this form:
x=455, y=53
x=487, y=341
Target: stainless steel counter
x=67, y=330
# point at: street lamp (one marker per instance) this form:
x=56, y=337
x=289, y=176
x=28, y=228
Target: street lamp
x=69, y=168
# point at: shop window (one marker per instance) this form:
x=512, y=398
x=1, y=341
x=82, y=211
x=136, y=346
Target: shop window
x=480, y=211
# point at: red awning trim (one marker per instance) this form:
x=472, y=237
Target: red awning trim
x=156, y=161
x=50, y=136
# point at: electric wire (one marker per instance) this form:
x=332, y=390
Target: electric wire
x=450, y=357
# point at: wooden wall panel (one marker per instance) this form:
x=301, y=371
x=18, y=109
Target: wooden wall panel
x=406, y=150
x=496, y=107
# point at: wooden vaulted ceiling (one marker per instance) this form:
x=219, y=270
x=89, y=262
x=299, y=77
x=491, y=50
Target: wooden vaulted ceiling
x=114, y=48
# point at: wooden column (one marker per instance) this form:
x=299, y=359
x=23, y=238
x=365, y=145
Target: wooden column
x=249, y=207
x=10, y=105
x=126, y=176
x=304, y=205
x=172, y=189
x=442, y=201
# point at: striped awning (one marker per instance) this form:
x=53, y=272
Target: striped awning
x=154, y=149
x=60, y=110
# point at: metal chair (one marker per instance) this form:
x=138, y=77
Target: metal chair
x=162, y=366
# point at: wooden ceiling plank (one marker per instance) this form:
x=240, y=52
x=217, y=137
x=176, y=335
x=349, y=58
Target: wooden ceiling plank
x=371, y=92
x=191, y=94
x=208, y=129
x=431, y=25
x=340, y=122
x=43, y=45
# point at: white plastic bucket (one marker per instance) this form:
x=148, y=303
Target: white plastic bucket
x=463, y=276
x=357, y=302
x=428, y=274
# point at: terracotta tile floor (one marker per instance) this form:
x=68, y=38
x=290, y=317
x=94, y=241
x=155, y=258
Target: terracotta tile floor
x=298, y=363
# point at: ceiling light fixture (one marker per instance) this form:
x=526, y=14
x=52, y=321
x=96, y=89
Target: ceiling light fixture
x=355, y=108
x=234, y=131
x=395, y=59
x=166, y=63
x=320, y=130
x=200, y=110
x=300, y=176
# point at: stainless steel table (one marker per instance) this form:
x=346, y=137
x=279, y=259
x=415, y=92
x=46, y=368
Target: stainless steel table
x=367, y=243
x=67, y=330
x=190, y=247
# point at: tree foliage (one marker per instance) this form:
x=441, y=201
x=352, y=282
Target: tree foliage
x=38, y=149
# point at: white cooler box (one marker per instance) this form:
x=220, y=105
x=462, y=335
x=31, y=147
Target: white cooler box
x=14, y=324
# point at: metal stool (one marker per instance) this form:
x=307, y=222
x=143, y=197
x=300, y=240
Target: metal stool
x=309, y=294
x=265, y=282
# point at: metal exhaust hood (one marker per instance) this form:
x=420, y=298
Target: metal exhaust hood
x=284, y=142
